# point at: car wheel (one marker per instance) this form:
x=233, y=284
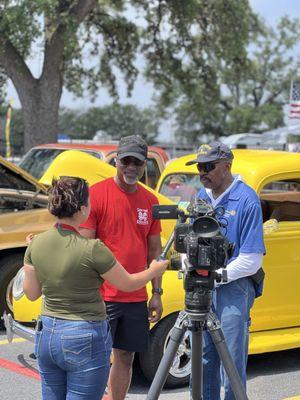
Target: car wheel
x=9, y=266
x=179, y=373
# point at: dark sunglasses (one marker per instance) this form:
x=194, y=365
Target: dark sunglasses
x=131, y=160
x=206, y=167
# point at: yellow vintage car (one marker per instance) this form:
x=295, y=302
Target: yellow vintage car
x=23, y=202
x=23, y=210
x=275, y=176
x=276, y=315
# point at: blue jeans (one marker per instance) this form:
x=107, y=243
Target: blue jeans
x=73, y=358
x=231, y=304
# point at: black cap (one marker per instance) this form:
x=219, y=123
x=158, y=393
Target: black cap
x=132, y=146
x=212, y=152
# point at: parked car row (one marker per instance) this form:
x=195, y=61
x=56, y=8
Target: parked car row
x=242, y=140
x=286, y=138
x=274, y=175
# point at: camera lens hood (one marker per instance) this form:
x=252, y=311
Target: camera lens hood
x=206, y=227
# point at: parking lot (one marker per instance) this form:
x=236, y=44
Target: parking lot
x=272, y=376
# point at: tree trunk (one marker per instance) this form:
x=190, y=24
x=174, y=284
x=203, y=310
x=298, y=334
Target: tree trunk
x=40, y=97
x=40, y=107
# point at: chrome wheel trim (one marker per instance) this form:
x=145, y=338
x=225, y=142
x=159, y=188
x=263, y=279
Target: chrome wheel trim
x=181, y=366
x=9, y=295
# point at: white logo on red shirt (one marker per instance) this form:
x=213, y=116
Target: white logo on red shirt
x=142, y=216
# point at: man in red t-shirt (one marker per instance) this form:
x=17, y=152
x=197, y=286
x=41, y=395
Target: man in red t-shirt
x=121, y=216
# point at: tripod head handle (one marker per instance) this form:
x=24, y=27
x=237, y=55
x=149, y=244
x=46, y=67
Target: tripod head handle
x=221, y=275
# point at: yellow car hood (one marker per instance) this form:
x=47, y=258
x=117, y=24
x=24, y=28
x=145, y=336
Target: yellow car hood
x=78, y=163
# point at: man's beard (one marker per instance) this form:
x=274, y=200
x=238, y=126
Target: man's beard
x=130, y=180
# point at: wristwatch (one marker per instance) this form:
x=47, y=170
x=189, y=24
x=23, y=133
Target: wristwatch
x=157, y=290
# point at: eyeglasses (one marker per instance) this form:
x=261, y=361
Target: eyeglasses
x=131, y=160
x=206, y=167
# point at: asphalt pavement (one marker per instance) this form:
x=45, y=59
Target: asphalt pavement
x=271, y=376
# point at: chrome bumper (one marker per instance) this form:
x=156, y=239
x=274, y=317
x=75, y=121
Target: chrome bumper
x=15, y=328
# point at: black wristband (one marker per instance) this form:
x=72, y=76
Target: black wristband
x=157, y=290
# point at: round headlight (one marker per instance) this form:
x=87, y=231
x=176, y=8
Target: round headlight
x=17, y=290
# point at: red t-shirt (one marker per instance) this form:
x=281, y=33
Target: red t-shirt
x=123, y=221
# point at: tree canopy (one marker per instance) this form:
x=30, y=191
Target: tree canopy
x=84, y=43
x=249, y=99
x=114, y=120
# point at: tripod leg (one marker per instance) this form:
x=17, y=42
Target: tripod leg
x=176, y=337
x=197, y=369
x=214, y=328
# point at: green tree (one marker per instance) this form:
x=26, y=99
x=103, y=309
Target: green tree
x=115, y=120
x=265, y=89
x=251, y=98
x=110, y=34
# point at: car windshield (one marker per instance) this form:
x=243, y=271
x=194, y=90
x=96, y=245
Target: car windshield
x=37, y=161
x=181, y=188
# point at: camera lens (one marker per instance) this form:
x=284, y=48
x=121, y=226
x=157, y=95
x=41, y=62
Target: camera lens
x=206, y=227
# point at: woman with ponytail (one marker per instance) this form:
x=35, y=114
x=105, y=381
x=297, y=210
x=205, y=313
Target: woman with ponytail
x=73, y=342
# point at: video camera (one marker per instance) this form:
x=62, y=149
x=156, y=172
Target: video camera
x=206, y=249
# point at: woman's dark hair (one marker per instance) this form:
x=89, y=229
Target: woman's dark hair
x=66, y=195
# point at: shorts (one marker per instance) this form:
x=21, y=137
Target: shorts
x=129, y=325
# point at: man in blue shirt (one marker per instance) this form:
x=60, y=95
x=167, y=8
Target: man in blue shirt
x=232, y=300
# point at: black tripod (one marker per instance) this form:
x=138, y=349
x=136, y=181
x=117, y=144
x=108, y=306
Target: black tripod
x=196, y=323
x=209, y=251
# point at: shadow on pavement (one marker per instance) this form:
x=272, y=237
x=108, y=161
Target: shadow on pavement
x=271, y=363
